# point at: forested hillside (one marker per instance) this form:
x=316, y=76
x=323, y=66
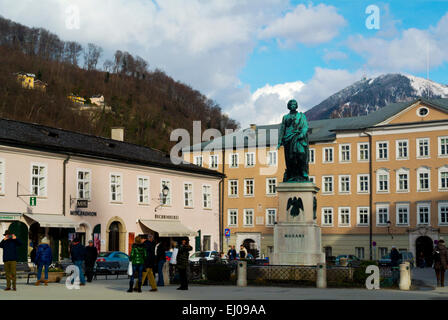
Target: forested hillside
x=147, y=102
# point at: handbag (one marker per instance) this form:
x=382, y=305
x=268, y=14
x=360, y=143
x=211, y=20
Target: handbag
x=130, y=271
x=173, y=259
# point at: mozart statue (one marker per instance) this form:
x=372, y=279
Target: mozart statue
x=293, y=136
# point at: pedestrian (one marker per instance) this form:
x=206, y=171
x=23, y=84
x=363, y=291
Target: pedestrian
x=9, y=245
x=33, y=256
x=161, y=259
x=78, y=253
x=440, y=255
x=394, y=262
x=182, y=263
x=138, y=257
x=91, y=255
x=422, y=262
x=150, y=262
x=243, y=252
x=231, y=253
x=43, y=259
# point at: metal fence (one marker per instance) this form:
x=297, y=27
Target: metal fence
x=298, y=273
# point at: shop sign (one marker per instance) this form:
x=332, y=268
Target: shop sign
x=81, y=203
x=83, y=213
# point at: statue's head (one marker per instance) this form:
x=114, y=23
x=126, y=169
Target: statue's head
x=292, y=105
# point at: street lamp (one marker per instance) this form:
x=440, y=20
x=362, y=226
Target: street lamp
x=163, y=196
x=388, y=229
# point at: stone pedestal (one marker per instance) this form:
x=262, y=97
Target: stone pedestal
x=297, y=239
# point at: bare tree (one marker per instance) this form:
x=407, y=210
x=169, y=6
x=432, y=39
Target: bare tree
x=91, y=56
x=72, y=51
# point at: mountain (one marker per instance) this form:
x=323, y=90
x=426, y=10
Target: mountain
x=147, y=102
x=371, y=94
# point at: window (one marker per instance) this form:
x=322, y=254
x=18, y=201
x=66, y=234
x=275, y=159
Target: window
x=383, y=251
x=312, y=179
x=166, y=183
x=327, y=216
x=423, y=176
x=249, y=187
x=423, y=148
x=344, y=184
x=207, y=196
x=443, y=146
x=233, y=188
x=402, y=214
x=143, y=190
x=359, y=252
x=312, y=155
x=233, y=217
x=188, y=195
x=402, y=149
x=382, y=177
x=198, y=160
x=214, y=161
x=423, y=212
x=422, y=111
x=382, y=214
x=250, y=159
x=344, y=153
x=363, y=216
x=344, y=217
x=249, y=217
x=234, y=160
x=327, y=182
x=363, y=183
x=2, y=176
x=271, y=184
x=116, y=187
x=403, y=180
x=363, y=152
x=443, y=178
x=443, y=212
x=382, y=148
x=272, y=158
x=271, y=217
x=39, y=180
x=328, y=155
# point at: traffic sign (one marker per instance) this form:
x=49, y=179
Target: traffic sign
x=374, y=243
x=32, y=201
x=227, y=232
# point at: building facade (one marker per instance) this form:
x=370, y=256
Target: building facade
x=383, y=180
x=62, y=184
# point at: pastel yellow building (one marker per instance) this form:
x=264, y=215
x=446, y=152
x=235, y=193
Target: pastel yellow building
x=26, y=79
x=383, y=180
x=76, y=99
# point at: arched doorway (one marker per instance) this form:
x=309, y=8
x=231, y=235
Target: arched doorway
x=251, y=247
x=21, y=231
x=96, y=237
x=114, y=236
x=424, y=247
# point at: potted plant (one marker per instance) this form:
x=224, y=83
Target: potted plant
x=55, y=273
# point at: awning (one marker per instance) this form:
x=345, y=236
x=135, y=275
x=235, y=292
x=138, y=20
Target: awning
x=168, y=228
x=53, y=220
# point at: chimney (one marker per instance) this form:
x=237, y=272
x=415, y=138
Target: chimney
x=253, y=126
x=117, y=133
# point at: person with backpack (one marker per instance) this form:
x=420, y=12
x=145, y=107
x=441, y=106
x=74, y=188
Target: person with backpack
x=440, y=255
x=137, y=258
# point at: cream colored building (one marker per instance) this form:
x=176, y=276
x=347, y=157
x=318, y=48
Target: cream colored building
x=384, y=174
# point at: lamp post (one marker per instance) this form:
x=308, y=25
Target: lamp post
x=164, y=195
x=388, y=229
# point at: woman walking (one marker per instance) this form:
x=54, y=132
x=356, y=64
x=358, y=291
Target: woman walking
x=138, y=257
x=43, y=260
x=440, y=255
x=182, y=263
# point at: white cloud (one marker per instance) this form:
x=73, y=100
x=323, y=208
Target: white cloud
x=267, y=105
x=335, y=55
x=308, y=25
x=407, y=52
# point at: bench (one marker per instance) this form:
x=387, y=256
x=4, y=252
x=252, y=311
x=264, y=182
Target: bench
x=108, y=268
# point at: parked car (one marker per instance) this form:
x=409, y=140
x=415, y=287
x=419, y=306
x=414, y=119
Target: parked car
x=352, y=260
x=207, y=255
x=113, y=256
x=405, y=256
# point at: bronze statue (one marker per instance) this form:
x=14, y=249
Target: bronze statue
x=293, y=136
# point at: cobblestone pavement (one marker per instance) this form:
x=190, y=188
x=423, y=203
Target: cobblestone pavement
x=116, y=290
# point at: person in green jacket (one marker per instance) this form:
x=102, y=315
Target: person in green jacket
x=138, y=256
x=183, y=262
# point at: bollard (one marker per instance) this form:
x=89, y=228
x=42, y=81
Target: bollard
x=405, y=276
x=166, y=273
x=321, y=281
x=242, y=274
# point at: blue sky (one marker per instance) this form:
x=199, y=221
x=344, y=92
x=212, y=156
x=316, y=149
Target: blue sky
x=252, y=56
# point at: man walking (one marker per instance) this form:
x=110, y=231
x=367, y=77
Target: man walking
x=150, y=262
x=182, y=263
x=161, y=258
x=394, y=262
x=440, y=255
x=91, y=255
x=231, y=253
x=9, y=245
x=78, y=252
